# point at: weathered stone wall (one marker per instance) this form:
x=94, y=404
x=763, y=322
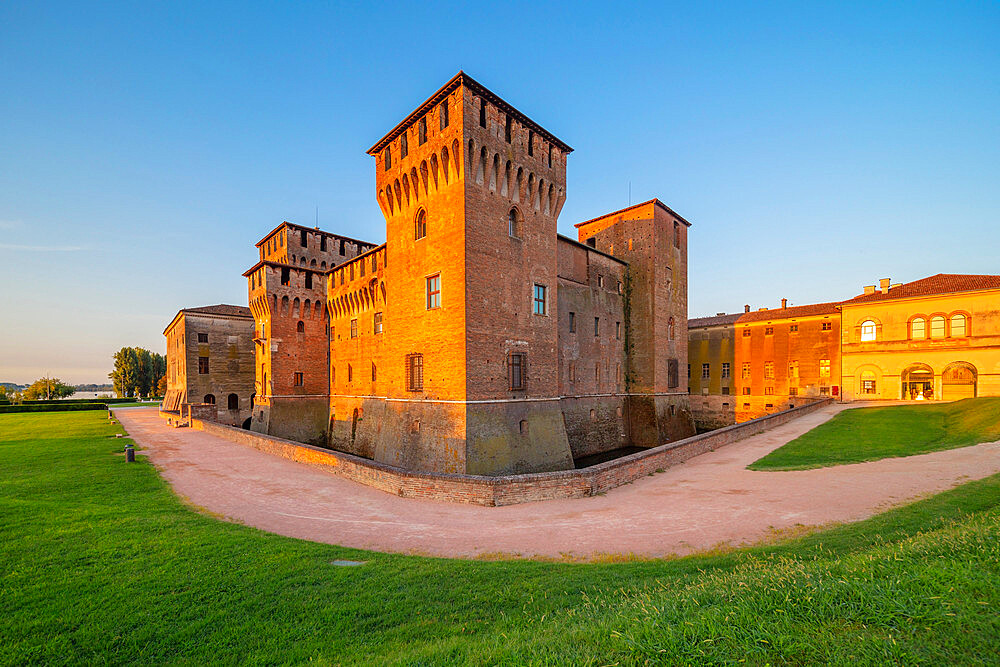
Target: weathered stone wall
x=508, y=489
x=713, y=411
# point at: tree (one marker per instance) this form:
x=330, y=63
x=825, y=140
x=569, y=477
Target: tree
x=159, y=374
x=48, y=388
x=161, y=386
x=125, y=376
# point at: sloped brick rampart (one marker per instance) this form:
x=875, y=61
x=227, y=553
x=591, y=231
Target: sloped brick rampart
x=511, y=489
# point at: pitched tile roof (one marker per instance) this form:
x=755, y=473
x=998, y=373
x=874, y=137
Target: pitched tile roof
x=713, y=321
x=794, y=311
x=221, y=309
x=942, y=283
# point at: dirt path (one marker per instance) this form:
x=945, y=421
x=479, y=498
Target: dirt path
x=710, y=500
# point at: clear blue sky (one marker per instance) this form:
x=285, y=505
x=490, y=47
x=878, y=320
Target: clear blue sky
x=144, y=148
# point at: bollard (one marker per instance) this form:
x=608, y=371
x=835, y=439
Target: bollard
x=130, y=453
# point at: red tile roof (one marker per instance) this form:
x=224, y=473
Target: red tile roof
x=942, y=283
x=713, y=321
x=784, y=313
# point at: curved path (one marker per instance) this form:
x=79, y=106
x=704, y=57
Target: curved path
x=709, y=501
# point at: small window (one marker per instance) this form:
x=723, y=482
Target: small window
x=374, y=372
x=768, y=331
x=540, y=305
x=531, y=142
x=434, y=291
x=793, y=369
x=422, y=131
x=342, y=247
x=572, y=371
x=597, y=326
x=746, y=392
x=618, y=330
x=443, y=114
x=868, y=382
x=958, y=325
x=482, y=112
x=745, y=371
x=415, y=372
x=677, y=234
x=572, y=322
x=515, y=371
x=706, y=371
x=233, y=402
x=937, y=327
x=354, y=328
x=918, y=328
x=513, y=228
x=746, y=332
x=621, y=288
x=725, y=392
x=768, y=391
x=507, y=128
x=725, y=369
x=387, y=158
x=824, y=391
x=300, y=327
x=768, y=370
x=868, y=330
x=299, y=379
x=420, y=226
x=202, y=365
x=824, y=368
x=670, y=329
x=303, y=239
x=600, y=280
x=322, y=243
x=286, y=277
x=404, y=148
x=209, y=398
x=793, y=391
x=689, y=377
x=350, y=373
x=203, y=338
x=378, y=323
x=794, y=328
x=550, y=162
x=592, y=242
x=309, y=279
x=672, y=379
x=827, y=326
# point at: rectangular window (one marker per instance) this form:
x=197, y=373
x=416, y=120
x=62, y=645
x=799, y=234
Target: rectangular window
x=572, y=322
x=725, y=369
x=793, y=369
x=378, y=323
x=515, y=371
x=600, y=281
x=202, y=365
x=434, y=292
x=677, y=234
x=572, y=371
x=746, y=392
x=618, y=330
x=286, y=277
x=827, y=326
x=689, y=377
x=387, y=158
x=550, y=166
x=443, y=114
x=482, y=112
x=354, y=328
x=507, y=128
x=597, y=326
x=202, y=338
x=672, y=370
x=768, y=370
x=531, y=142
x=769, y=331
x=540, y=305
x=350, y=373
x=303, y=239
x=422, y=131
x=415, y=372
x=706, y=371
x=824, y=391
x=374, y=372
x=793, y=328
x=309, y=280
x=793, y=391
x=299, y=379
x=725, y=392
x=745, y=372
x=824, y=368
x=322, y=243
x=746, y=333
x=768, y=391
x=404, y=148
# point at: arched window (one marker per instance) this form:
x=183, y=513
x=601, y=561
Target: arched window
x=312, y=264
x=513, y=228
x=234, y=402
x=918, y=328
x=420, y=226
x=300, y=327
x=937, y=326
x=209, y=398
x=958, y=325
x=867, y=330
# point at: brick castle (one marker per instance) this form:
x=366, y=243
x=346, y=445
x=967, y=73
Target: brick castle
x=476, y=339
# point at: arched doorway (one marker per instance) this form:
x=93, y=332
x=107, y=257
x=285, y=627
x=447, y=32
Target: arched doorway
x=958, y=381
x=918, y=383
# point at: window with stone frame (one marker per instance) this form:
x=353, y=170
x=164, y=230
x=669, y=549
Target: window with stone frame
x=414, y=372
x=378, y=323
x=202, y=365
x=516, y=367
x=434, y=291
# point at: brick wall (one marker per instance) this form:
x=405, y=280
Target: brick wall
x=510, y=489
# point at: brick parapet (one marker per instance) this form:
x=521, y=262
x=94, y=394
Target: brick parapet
x=510, y=489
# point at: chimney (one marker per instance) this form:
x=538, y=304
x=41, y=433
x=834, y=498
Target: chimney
x=746, y=308
x=719, y=314
x=784, y=303
x=869, y=289
x=883, y=285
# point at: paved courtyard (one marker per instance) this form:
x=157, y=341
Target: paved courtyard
x=710, y=500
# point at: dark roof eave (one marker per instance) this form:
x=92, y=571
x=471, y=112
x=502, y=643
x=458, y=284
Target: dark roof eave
x=443, y=91
x=655, y=201
x=588, y=248
x=308, y=229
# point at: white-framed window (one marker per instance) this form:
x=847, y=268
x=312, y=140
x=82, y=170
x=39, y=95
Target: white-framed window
x=937, y=326
x=918, y=328
x=725, y=369
x=824, y=368
x=868, y=331
x=706, y=371
x=378, y=323
x=958, y=325
x=434, y=291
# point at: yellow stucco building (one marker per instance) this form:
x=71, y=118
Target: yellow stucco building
x=937, y=338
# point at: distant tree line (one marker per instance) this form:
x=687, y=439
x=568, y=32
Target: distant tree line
x=138, y=372
x=43, y=388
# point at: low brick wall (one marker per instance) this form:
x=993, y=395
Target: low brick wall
x=510, y=489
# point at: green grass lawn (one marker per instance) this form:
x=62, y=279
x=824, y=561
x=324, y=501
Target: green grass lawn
x=869, y=434
x=101, y=563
